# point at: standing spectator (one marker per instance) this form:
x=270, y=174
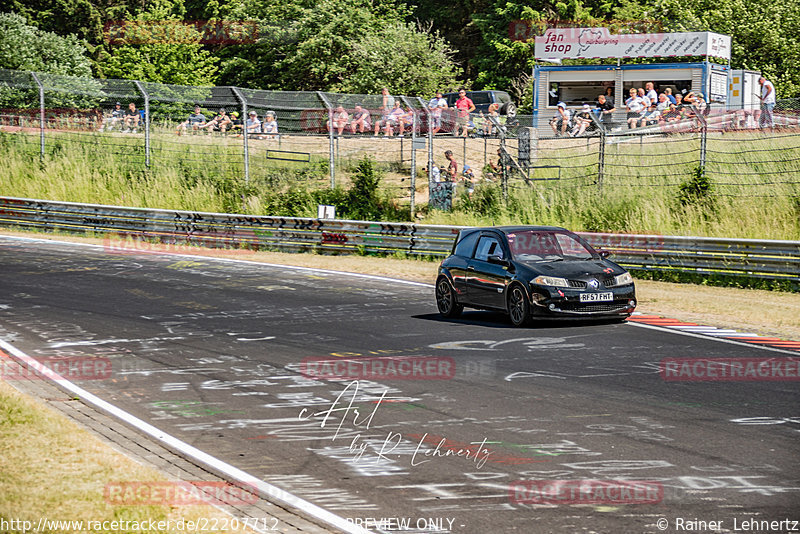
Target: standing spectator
x=561, y=120
x=650, y=93
x=452, y=168
x=437, y=105
x=195, y=120
x=670, y=97
x=634, y=106
x=117, y=116
x=605, y=109
x=767, y=103
x=221, y=122
x=131, y=118
x=435, y=174
x=464, y=106
x=387, y=100
x=253, y=125
x=270, y=125
x=361, y=120
x=340, y=119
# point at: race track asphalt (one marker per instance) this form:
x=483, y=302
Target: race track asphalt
x=226, y=356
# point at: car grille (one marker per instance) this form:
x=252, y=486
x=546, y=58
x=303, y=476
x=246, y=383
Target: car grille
x=581, y=284
x=594, y=307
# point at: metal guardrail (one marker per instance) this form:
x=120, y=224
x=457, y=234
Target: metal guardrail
x=776, y=260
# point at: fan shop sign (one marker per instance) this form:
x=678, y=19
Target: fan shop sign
x=583, y=43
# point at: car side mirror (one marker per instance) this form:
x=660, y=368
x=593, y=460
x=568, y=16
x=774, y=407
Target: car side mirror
x=604, y=253
x=496, y=259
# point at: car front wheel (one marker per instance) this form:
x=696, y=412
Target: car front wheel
x=518, y=309
x=446, y=299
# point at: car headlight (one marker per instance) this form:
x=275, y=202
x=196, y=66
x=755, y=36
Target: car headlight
x=551, y=281
x=623, y=279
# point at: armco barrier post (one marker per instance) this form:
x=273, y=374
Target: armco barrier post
x=41, y=114
x=146, y=97
x=243, y=101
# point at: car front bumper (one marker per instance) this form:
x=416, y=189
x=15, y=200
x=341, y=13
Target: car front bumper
x=565, y=302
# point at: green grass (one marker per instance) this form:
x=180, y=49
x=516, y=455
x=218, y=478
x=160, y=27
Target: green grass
x=750, y=173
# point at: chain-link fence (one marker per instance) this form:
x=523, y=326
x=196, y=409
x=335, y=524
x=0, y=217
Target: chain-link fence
x=271, y=137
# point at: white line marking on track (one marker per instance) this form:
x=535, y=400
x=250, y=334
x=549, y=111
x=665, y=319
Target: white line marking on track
x=174, y=443
x=711, y=338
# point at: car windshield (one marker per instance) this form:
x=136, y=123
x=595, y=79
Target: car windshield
x=544, y=245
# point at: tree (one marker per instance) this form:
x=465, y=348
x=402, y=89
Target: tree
x=24, y=47
x=345, y=45
x=157, y=57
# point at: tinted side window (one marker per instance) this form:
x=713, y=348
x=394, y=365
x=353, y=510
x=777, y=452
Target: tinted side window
x=488, y=246
x=480, y=97
x=467, y=245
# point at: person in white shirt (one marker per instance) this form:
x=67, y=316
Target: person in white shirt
x=767, y=103
x=650, y=92
x=270, y=125
x=634, y=106
x=437, y=104
x=561, y=120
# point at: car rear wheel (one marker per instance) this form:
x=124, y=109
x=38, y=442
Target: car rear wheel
x=518, y=309
x=446, y=299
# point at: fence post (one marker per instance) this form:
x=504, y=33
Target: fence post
x=41, y=114
x=703, y=140
x=243, y=101
x=601, y=159
x=146, y=96
x=413, y=163
x=332, y=148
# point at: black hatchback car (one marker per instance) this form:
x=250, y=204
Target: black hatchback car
x=532, y=272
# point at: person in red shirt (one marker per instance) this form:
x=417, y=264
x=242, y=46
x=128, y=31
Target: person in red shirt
x=464, y=106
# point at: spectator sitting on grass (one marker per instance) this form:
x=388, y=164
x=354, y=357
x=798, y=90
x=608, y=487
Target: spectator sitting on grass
x=605, y=108
x=489, y=121
x=582, y=120
x=221, y=122
x=340, y=118
x=236, y=122
x=270, y=125
x=117, y=116
x=406, y=119
x=390, y=120
x=131, y=118
x=253, y=125
x=634, y=106
x=361, y=120
x=195, y=121
x=561, y=120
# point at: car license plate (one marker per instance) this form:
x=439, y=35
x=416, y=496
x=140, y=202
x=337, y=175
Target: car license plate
x=597, y=297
